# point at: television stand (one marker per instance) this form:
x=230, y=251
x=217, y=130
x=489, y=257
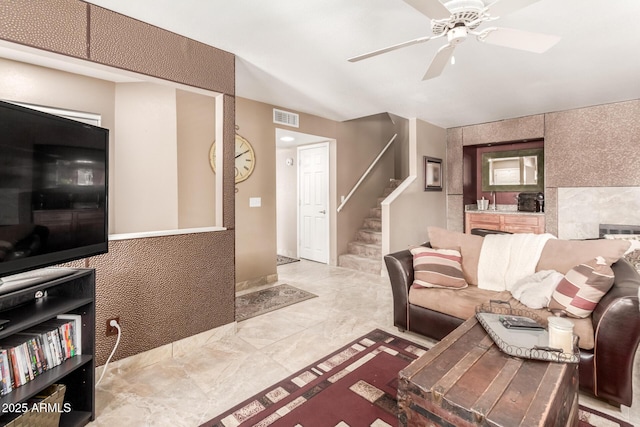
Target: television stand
x=29, y=308
x=32, y=277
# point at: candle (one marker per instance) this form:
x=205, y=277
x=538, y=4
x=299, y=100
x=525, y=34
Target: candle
x=561, y=334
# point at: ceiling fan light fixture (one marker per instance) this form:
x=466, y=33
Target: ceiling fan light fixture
x=457, y=35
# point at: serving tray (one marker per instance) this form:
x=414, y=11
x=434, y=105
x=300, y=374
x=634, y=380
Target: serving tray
x=525, y=343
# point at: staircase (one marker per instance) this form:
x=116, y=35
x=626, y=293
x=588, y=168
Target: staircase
x=365, y=252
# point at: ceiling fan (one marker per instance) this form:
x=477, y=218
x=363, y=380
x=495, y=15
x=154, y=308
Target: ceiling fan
x=457, y=19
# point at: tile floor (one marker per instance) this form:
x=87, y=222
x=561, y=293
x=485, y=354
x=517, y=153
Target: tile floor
x=192, y=389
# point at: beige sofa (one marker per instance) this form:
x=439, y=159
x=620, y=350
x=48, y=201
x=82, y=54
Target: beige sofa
x=608, y=338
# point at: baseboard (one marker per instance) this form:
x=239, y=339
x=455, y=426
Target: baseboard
x=172, y=350
x=254, y=283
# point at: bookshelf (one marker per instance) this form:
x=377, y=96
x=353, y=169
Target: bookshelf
x=30, y=307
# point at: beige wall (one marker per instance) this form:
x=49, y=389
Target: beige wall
x=256, y=227
x=286, y=203
x=407, y=217
x=401, y=147
x=586, y=147
x=357, y=143
x=196, y=180
x=145, y=167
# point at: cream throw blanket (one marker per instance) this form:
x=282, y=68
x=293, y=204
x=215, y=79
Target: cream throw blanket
x=507, y=258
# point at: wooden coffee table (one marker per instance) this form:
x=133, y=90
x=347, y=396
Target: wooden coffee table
x=465, y=380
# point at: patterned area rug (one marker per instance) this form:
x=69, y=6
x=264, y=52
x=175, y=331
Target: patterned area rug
x=281, y=260
x=260, y=302
x=355, y=386
x=591, y=418
x=352, y=387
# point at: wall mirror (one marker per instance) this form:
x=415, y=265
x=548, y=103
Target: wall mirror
x=514, y=170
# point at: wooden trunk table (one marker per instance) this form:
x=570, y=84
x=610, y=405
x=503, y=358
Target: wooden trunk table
x=465, y=380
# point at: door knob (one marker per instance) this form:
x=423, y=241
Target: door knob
x=323, y=211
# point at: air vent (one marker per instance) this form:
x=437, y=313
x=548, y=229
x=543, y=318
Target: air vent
x=285, y=118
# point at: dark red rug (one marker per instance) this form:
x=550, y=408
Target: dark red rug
x=354, y=386
x=591, y=418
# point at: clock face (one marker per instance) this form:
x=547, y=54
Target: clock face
x=245, y=158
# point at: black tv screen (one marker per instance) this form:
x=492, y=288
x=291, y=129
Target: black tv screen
x=53, y=189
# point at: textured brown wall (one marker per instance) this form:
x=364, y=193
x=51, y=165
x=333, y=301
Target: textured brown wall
x=455, y=183
x=229, y=154
x=529, y=127
x=122, y=42
x=593, y=147
x=585, y=147
x=454, y=165
x=55, y=25
x=164, y=288
x=590, y=147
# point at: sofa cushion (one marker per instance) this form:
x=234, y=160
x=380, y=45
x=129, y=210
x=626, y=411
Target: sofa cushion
x=469, y=246
x=557, y=254
x=563, y=255
x=582, y=288
x=437, y=268
x=462, y=303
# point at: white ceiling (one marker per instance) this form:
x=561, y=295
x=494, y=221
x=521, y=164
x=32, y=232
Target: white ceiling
x=293, y=54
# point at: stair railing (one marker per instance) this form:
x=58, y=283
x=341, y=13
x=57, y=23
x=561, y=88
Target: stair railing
x=366, y=173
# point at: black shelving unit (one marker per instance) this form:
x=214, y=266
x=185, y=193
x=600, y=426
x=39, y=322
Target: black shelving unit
x=31, y=306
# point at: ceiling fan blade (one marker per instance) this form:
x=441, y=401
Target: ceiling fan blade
x=389, y=49
x=518, y=39
x=433, y=9
x=505, y=7
x=439, y=61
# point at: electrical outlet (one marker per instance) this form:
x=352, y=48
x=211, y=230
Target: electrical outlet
x=111, y=330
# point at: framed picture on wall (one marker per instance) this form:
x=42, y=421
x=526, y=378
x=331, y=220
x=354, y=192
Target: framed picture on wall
x=432, y=174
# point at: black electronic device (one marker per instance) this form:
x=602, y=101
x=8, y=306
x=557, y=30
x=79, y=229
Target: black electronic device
x=531, y=202
x=520, y=322
x=53, y=189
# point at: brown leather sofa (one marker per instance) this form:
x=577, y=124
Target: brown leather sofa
x=606, y=371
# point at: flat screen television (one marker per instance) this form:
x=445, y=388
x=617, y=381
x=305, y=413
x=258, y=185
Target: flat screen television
x=53, y=190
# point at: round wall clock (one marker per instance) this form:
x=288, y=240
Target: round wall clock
x=245, y=158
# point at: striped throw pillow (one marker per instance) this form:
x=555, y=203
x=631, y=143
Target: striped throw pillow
x=582, y=288
x=437, y=268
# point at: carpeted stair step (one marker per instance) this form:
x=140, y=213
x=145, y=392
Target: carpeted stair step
x=393, y=184
x=372, y=224
x=369, y=236
x=365, y=253
x=355, y=262
x=369, y=250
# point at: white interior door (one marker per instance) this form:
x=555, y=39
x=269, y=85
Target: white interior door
x=313, y=202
